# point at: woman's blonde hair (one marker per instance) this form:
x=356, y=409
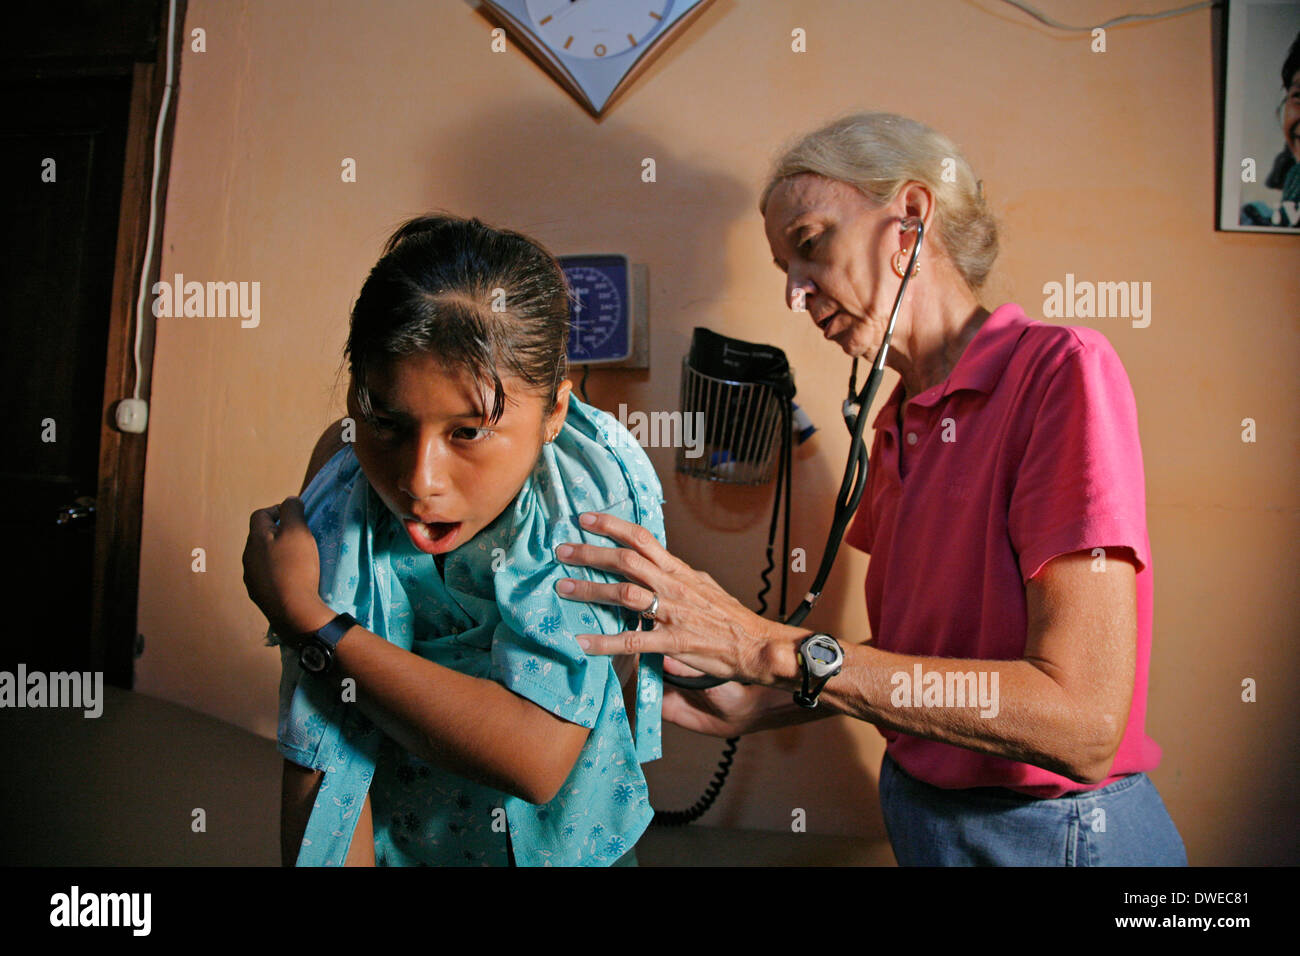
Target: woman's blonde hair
x=878, y=153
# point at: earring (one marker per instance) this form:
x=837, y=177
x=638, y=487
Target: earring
x=900, y=264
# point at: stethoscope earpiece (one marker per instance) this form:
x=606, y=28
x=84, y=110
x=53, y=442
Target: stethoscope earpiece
x=905, y=226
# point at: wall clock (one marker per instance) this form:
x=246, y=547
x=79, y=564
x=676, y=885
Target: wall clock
x=595, y=48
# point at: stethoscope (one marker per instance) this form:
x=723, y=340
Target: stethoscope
x=855, y=469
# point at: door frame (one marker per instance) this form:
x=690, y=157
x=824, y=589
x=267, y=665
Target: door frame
x=114, y=640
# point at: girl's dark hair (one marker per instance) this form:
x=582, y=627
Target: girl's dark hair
x=469, y=295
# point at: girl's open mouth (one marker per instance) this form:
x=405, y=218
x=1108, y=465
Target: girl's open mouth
x=436, y=538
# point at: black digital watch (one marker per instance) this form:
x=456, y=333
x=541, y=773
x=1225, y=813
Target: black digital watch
x=820, y=659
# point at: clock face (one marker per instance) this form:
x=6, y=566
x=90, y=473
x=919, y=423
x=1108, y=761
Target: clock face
x=594, y=29
x=594, y=48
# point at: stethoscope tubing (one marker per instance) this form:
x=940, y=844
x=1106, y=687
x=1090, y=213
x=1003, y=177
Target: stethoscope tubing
x=855, y=468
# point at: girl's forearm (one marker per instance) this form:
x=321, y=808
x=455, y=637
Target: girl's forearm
x=473, y=727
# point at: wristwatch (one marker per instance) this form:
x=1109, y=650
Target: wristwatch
x=820, y=659
x=316, y=655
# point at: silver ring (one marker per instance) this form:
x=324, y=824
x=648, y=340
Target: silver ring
x=649, y=613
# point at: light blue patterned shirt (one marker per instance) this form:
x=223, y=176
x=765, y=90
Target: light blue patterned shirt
x=494, y=614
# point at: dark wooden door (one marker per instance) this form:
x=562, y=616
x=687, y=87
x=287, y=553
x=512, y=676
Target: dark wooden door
x=62, y=144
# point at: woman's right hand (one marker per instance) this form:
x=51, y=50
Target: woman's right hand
x=728, y=710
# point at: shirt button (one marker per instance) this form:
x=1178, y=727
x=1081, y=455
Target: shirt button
x=911, y=438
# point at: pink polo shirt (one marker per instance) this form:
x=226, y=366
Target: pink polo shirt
x=1028, y=450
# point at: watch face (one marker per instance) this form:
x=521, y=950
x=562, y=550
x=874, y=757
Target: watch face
x=822, y=653
x=823, y=656
x=313, y=658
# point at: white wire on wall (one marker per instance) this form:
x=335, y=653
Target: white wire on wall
x=1125, y=18
x=153, y=192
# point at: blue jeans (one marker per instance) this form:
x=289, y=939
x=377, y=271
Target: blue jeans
x=1123, y=824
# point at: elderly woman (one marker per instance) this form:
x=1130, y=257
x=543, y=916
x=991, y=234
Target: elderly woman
x=1009, y=588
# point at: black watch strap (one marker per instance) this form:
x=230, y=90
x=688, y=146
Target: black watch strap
x=317, y=652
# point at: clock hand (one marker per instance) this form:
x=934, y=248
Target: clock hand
x=573, y=5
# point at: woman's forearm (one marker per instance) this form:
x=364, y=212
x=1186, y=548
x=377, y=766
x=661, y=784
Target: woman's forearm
x=1009, y=709
x=1063, y=705
x=473, y=727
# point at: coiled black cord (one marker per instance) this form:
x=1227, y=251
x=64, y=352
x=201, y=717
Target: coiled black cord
x=782, y=483
x=846, y=502
x=680, y=818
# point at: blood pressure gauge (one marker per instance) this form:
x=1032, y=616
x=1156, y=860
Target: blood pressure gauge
x=599, y=308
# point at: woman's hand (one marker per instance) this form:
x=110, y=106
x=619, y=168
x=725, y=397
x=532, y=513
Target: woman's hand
x=696, y=622
x=282, y=570
x=728, y=710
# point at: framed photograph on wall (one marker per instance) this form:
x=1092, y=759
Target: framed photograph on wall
x=1261, y=118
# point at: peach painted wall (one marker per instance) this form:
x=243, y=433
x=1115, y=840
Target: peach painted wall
x=1099, y=164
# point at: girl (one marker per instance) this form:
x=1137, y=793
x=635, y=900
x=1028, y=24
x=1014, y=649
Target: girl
x=435, y=707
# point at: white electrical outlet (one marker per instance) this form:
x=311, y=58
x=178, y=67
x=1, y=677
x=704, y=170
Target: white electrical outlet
x=132, y=414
